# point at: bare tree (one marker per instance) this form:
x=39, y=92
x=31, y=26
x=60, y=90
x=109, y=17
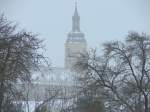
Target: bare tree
x=45, y=103
x=19, y=54
x=123, y=71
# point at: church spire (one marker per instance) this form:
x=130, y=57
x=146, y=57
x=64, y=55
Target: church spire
x=76, y=9
x=75, y=44
x=76, y=20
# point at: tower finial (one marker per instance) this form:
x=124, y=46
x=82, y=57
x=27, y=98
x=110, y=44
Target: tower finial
x=76, y=19
x=76, y=7
x=76, y=4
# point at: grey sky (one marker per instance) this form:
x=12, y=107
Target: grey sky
x=101, y=20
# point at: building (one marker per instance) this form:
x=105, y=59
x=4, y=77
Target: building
x=63, y=79
x=76, y=44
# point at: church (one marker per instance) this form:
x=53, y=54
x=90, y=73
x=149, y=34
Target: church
x=63, y=79
x=75, y=44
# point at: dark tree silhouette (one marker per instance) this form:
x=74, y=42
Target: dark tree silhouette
x=19, y=54
x=123, y=71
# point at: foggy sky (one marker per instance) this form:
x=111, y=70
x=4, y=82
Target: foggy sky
x=101, y=20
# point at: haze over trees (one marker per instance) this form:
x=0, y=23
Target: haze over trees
x=116, y=81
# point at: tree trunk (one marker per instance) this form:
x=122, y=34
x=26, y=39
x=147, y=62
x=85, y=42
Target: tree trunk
x=1, y=96
x=146, y=103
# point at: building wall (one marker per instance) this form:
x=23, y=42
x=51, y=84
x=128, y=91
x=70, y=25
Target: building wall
x=74, y=51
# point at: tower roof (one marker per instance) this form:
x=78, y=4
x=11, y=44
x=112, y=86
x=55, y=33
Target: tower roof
x=76, y=35
x=76, y=20
x=76, y=10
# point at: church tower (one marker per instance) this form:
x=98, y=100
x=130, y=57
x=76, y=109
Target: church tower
x=75, y=44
